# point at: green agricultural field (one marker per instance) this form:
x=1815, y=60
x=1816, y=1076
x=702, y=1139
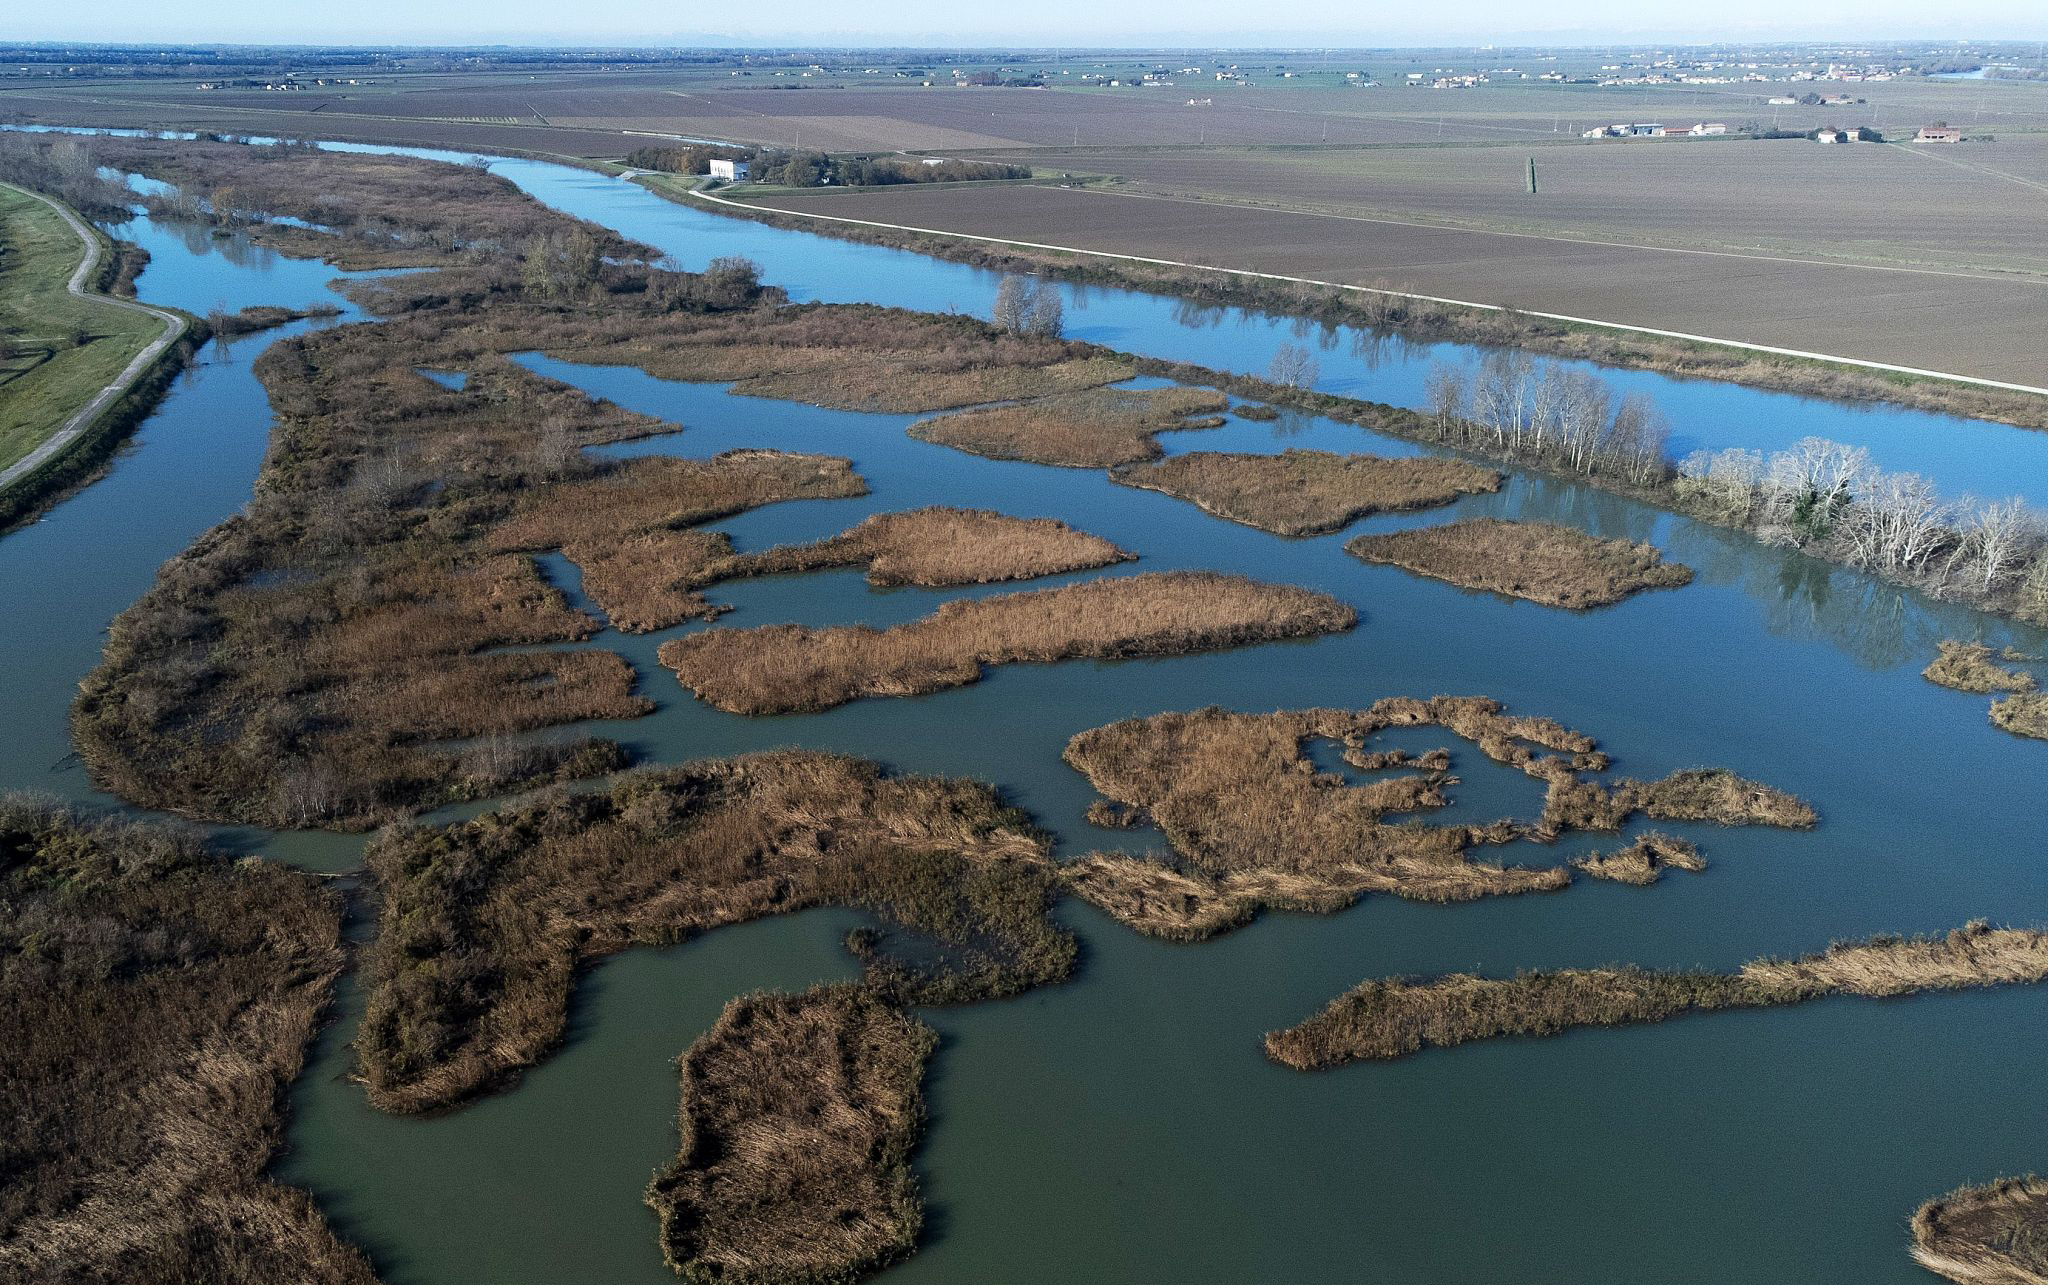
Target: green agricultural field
x=56, y=350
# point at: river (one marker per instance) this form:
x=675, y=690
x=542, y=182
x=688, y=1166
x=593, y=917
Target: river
x=1125, y=1127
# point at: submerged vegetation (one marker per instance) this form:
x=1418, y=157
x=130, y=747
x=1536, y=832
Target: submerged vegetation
x=799, y=1114
x=1301, y=492
x=1100, y=428
x=1393, y=1018
x=484, y=925
x=1253, y=825
x=156, y=998
x=1556, y=566
x=1996, y=1234
x=788, y=669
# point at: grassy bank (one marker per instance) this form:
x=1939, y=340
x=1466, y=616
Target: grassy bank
x=1393, y=1018
x=156, y=998
x=799, y=1115
x=1996, y=1234
x=1252, y=825
x=1535, y=561
x=57, y=350
x=787, y=669
x=484, y=925
x=1299, y=492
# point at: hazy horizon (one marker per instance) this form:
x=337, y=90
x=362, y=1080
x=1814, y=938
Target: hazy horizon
x=1145, y=24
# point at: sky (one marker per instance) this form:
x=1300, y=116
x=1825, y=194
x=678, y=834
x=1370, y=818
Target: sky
x=1020, y=22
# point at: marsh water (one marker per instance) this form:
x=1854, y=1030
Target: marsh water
x=1125, y=1126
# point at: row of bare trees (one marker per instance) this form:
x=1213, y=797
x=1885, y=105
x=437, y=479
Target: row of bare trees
x=1514, y=405
x=1832, y=499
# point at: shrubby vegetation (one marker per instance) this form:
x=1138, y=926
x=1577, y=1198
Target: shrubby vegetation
x=800, y=168
x=799, y=1115
x=156, y=997
x=1393, y=1018
x=1252, y=825
x=484, y=925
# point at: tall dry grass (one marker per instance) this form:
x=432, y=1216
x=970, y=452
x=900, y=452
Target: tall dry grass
x=799, y=1115
x=1556, y=566
x=786, y=669
x=1396, y=1017
x=1974, y=667
x=1100, y=428
x=1299, y=492
x=1252, y=825
x=1995, y=1234
x=2022, y=715
x=156, y=998
x=484, y=925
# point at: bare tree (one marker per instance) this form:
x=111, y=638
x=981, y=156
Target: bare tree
x=1580, y=406
x=1997, y=536
x=1013, y=304
x=1443, y=390
x=1294, y=366
x=1813, y=482
x=1047, y=315
x=1898, y=525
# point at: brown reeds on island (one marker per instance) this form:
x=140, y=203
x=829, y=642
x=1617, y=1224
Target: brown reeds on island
x=1994, y=1234
x=156, y=1000
x=2022, y=715
x=483, y=925
x=787, y=669
x=1299, y=492
x=1099, y=428
x=799, y=1115
x=1395, y=1017
x=655, y=577
x=1644, y=861
x=1539, y=562
x=858, y=357
x=1974, y=667
x=1251, y=824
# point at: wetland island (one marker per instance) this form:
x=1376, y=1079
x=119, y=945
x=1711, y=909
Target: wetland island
x=787, y=665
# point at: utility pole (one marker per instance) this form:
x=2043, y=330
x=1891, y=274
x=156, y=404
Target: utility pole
x=1532, y=176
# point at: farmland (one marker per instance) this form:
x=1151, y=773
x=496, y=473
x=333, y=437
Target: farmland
x=1899, y=316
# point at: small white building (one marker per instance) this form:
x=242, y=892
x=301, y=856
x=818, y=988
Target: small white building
x=1830, y=136
x=1708, y=131
x=730, y=171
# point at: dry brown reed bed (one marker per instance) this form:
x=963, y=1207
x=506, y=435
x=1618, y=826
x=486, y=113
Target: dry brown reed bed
x=1644, y=861
x=859, y=357
x=156, y=998
x=1253, y=825
x=654, y=578
x=1100, y=428
x=1996, y=1234
x=799, y=1115
x=1974, y=667
x=484, y=925
x=2023, y=715
x=1556, y=566
x=1395, y=1017
x=789, y=669
x=1300, y=492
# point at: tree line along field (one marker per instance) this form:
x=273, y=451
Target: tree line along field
x=1899, y=316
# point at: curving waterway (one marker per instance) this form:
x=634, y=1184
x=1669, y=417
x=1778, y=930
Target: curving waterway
x=1126, y=1127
